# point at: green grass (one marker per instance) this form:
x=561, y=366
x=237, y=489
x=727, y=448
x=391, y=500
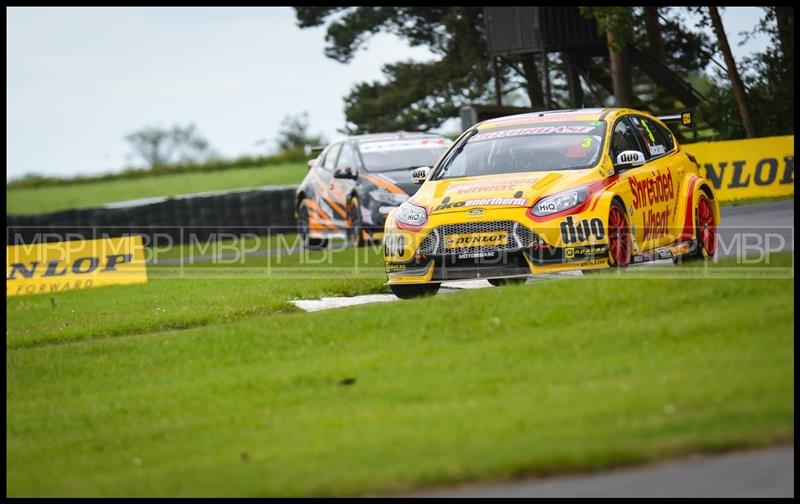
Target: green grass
x=219, y=249
x=51, y=198
x=576, y=374
x=178, y=298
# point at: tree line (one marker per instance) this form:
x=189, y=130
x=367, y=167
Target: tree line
x=739, y=99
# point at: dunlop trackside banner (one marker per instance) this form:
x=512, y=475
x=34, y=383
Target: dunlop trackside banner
x=752, y=168
x=55, y=267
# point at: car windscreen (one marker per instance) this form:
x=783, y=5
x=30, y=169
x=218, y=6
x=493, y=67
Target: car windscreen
x=540, y=147
x=386, y=155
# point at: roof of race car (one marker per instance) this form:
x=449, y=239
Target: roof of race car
x=395, y=135
x=587, y=114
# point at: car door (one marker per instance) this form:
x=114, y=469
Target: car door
x=341, y=188
x=329, y=200
x=648, y=190
x=322, y=177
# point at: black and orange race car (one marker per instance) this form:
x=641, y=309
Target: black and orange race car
x=354, y=183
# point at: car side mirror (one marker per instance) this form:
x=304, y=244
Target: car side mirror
x=344, y=172
x=312, y=162
x=419, y=175
x=629, y=159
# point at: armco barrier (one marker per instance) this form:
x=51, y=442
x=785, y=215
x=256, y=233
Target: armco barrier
x=752, y=168
x=252, y=210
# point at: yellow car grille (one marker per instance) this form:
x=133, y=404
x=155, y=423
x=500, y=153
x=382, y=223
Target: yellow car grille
x=511, y=236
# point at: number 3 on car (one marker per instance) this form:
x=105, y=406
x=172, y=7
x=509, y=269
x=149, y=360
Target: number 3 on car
x=551, y=191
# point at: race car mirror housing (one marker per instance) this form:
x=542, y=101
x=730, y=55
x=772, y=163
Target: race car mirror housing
x=629, y=159
x=312, y=149
x=419, y=175
x=344, y=172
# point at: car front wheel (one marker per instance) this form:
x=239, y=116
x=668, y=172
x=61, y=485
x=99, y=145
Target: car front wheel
x=499, y=282
x=355, y=228
x=303, y=229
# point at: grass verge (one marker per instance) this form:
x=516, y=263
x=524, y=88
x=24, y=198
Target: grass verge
x=569, y=375
x=179, y=298
x=31, y=200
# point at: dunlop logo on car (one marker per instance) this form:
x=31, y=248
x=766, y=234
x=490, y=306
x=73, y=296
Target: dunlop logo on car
x=55, y=267
x=475, y=240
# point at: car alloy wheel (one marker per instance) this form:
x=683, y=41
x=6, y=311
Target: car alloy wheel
x=618, y=236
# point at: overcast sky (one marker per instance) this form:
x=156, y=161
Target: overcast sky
x=79, y=79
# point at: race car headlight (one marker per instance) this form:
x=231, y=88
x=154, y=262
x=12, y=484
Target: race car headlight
x=411, y=214
x=384, y=196
x=560, y=202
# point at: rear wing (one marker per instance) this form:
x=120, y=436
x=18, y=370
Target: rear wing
x=316, y=149
x=684, y=118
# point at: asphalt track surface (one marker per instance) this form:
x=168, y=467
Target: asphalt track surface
x=759, y=473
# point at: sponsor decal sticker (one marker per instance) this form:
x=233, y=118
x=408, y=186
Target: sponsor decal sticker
x=447, y=204
x=663, y=253
x=509, y=184
x=475, y=240
x=534, y=119
x=576, y=232
x=394, y=245
x=575, y=252
x=534, y=130
x=476, y=255
x=593, y=262
x=656, y=188
x=655, y=223
x=399, y=145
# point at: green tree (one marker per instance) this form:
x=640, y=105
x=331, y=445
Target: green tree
x=421, y=96
x=414, y=96
x=294, y=133
x=158, y=146
x=768, y=77
x=617, y=25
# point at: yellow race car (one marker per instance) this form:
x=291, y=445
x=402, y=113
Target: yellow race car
x=548, y=192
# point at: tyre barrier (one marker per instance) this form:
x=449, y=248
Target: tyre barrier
x=201, y=216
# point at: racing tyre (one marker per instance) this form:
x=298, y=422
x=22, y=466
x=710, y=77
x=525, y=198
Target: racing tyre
x=302, y=229
x=705, y=232
x=619, y=237
x=415, y=290
x=499, y=282
x=355, y=229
